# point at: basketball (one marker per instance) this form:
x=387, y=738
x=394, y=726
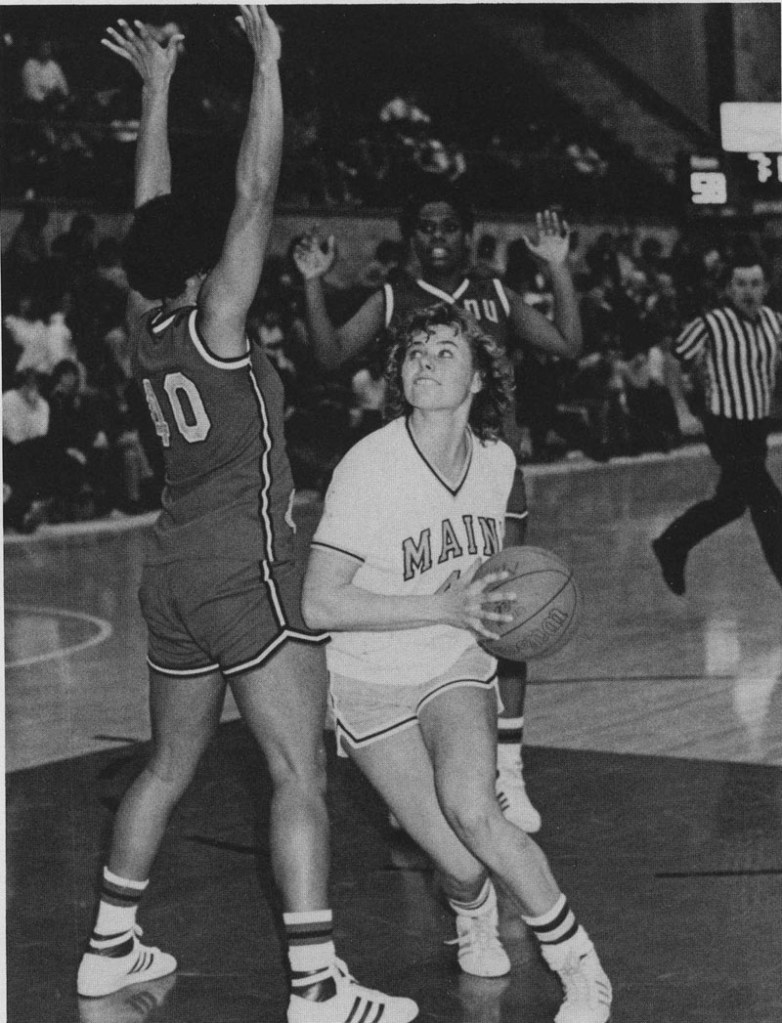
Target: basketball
x=546, y=607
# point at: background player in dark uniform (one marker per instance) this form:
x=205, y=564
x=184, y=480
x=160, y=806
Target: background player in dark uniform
x=220, y=592
x=738, y=348
x=437, y=223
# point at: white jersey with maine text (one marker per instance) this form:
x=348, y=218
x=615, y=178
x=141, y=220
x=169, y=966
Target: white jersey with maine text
x=409, y=531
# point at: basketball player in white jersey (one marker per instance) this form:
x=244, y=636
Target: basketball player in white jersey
x=411, y=511
x=437, y=223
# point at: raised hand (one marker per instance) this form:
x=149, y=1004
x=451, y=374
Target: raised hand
x=154, y=63
x=262, y=33
x=310, y=257
x=552, y=243
x=467, y=605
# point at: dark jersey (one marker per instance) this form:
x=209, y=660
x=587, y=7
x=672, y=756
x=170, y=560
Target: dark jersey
x=228, y=484
x=484, y=299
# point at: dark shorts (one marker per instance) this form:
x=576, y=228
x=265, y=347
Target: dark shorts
x=229, y=616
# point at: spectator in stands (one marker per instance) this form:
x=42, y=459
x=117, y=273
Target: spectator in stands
x=584, y=158
x=80, y=448
x=100, y=297
x=39, y=330
x=457, y=161
x=44, y=85
x=28, y=247
x=403, y=113
x=75, y=248
x=486, y=265
x=108, y=264
x=369, y=388
x=133, y=478
x=430, y=157
x=652, y=423
x=26, y=454
x=389, y=259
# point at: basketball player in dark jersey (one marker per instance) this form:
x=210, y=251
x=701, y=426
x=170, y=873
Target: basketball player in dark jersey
x=220, y=591
x=437, y=224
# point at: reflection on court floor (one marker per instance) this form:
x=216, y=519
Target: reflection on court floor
x=655, y=755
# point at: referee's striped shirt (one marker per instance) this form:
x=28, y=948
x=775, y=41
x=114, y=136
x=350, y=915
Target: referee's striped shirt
x=739, y=357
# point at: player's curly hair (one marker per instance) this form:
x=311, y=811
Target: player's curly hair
x=491, y=403
x=436, y=189
x=173, y=237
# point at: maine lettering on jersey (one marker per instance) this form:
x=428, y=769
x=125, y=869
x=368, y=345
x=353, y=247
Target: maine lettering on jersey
x=472, y=534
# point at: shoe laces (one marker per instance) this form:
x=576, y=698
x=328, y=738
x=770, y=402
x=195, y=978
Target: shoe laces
x=345, y=976
x=476, y=933
x=577, y=980
x=342, y=969
x=511, y=776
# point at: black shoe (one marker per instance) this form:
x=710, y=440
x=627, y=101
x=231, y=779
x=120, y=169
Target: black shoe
x=672, y=565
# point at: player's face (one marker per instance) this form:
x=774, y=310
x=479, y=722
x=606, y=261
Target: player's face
x=439, y=240
x=747, y=289
x=438, y=370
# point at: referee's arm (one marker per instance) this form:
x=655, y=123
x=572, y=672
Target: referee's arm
x=691, y=343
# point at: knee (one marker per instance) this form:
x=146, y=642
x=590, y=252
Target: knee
x=471, y=816
x=305, y=771
x=171, y=769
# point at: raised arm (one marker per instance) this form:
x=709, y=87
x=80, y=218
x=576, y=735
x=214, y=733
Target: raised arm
x=155, y=65
x=333, y=346
x=231, y=285
x=563, y=337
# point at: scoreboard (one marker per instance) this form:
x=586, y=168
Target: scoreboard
x=733, y=184
x=745, y=177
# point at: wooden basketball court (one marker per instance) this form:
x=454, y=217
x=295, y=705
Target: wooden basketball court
x=654, y=752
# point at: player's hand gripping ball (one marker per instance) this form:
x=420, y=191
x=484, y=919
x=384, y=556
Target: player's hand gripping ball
x=546, y=608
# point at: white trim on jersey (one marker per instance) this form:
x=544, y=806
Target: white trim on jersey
x=516, y=515
x=504, y=300
x=156, y=325
x=433, y=469
x=444, y=295
x=263, y=503
x=236, y=362
x=338, y=550
x=388, y=292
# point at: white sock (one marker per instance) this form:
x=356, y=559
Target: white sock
x=118, y=903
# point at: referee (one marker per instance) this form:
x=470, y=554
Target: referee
x=737, y=347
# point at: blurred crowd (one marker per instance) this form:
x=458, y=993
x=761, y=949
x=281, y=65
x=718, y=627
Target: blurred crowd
x=72, y=135
x=78, y=442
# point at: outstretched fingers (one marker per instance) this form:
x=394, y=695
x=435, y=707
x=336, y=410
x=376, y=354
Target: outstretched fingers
x=261, y=31
x=125, y=45
x=139, y=46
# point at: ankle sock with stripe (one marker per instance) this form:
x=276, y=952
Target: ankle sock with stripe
x=510, y=731
x=474, y=907
x=556, y=926
x=311, y=954
x=119, y=901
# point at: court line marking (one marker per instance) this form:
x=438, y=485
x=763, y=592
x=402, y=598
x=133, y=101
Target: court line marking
x=609, y=679
x=684, y=875
x=105, y=630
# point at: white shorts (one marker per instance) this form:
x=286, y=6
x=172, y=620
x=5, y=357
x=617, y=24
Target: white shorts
x=365, y=712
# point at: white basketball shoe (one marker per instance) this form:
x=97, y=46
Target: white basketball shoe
x=511, y=790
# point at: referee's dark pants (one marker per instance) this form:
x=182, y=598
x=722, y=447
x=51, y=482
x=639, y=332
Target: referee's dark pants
x=739, y=447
